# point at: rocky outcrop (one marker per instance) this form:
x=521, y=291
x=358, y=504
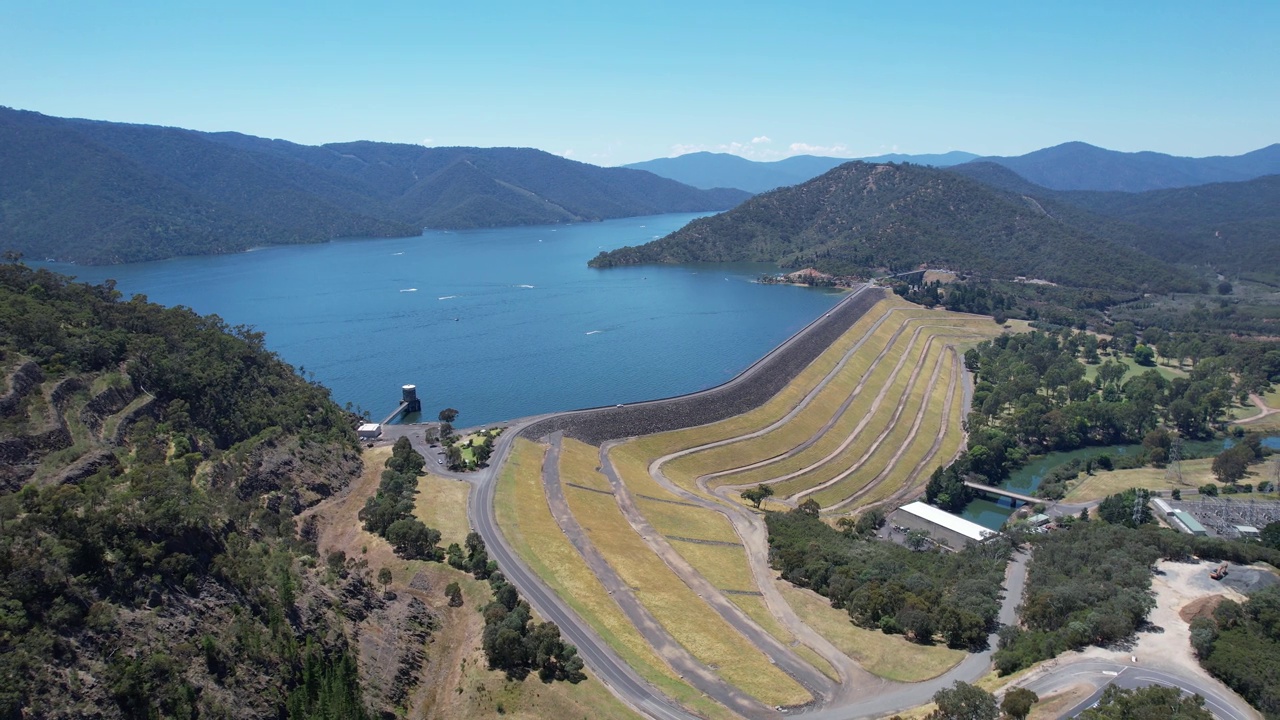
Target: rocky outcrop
x=21, y=381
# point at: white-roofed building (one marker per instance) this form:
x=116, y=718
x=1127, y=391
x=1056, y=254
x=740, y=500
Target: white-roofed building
x=954, y=530
x=369, y=431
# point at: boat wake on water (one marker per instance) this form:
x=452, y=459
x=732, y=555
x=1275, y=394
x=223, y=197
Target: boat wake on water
x=446, y=297
x=410, y=290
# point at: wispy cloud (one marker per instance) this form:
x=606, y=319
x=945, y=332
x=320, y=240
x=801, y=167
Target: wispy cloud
x=426, y=142
x=758, y=148
x=800, y=148
x=564, y=153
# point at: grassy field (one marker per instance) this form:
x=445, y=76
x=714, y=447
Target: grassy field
x=579, y=464
x=1194, y=473
x=724, y=566
x=1167, y=371
x=883, y=381
x=526, y=520
x=756, y=609
x=891, y=479
x=889, y=656
x=692, y=623
x=881, y=459
x=442, y=504
x=667, y=517
x=897, y=390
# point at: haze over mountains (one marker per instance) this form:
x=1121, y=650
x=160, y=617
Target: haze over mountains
x=716, y=170
x=99, y=192
x=1069, y=166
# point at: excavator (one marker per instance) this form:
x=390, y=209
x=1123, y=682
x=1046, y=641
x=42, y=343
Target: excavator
x=1219, y=573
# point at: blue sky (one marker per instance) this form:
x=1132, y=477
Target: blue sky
x=612, y=83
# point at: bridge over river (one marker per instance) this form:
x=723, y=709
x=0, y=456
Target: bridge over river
x=1003, y=493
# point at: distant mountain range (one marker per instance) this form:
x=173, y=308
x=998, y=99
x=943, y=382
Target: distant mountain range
x=1080, y=166
x=863, y=218
x=717, y=170
x=1070, y=166
x=99, y=192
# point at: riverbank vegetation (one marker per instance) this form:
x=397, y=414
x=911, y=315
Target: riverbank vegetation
x=1032, y=397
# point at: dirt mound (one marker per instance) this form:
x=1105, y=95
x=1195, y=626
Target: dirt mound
x=1202, y=607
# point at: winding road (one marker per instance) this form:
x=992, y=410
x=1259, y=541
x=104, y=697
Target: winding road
x=858, y=694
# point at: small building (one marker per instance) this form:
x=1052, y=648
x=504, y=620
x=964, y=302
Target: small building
x=953, y=530
x=369, y=431
x=1038, y=520
x=1162, y=507
x=1183, y=521
x=1248, y=531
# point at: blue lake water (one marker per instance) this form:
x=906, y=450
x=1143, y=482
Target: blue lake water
x=497, y=323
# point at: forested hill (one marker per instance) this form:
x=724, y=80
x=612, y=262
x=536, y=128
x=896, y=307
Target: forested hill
x=99, y=192
x=152, y=464
x=862, y=218
x=1230, y=226
x=1081, y=166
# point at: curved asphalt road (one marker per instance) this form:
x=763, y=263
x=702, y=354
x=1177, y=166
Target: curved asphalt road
x=647, y=700
x=1101, y=673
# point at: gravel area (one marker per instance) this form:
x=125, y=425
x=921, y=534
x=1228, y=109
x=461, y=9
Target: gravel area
x=749, y=390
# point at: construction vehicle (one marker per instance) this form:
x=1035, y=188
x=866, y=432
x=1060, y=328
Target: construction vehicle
x=1220, y=573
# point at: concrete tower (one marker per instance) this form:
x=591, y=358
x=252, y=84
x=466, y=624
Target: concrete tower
x=409, y=396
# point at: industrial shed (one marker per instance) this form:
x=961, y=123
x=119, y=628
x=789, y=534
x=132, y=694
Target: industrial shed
x=954, y=530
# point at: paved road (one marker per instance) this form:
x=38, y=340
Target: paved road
x=647, y=700
x=1101, y=673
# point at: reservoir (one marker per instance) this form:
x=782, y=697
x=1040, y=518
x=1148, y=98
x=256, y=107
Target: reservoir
x=497, y=323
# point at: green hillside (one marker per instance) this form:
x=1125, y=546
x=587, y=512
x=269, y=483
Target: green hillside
x=1233, y=227
x=100, y=193
x=152, y=463
x=861, y=219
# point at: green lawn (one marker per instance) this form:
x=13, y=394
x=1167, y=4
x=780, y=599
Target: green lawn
x=1169, y=373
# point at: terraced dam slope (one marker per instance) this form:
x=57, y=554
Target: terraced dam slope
x=634, y=514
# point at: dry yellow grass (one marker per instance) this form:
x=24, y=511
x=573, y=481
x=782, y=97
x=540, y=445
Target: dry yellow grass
x=882, y=456
x=441, y=503
x=667, y=517
x=1194, y=474
x=689, y=620
x=884, y=376
x=805, y=423
x=526, y=520
x=901, y=472
x=889, y=656
x=580, y=463
x=897, y=391
x=1053, y=706
x=755, y=608
x=724, y=566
